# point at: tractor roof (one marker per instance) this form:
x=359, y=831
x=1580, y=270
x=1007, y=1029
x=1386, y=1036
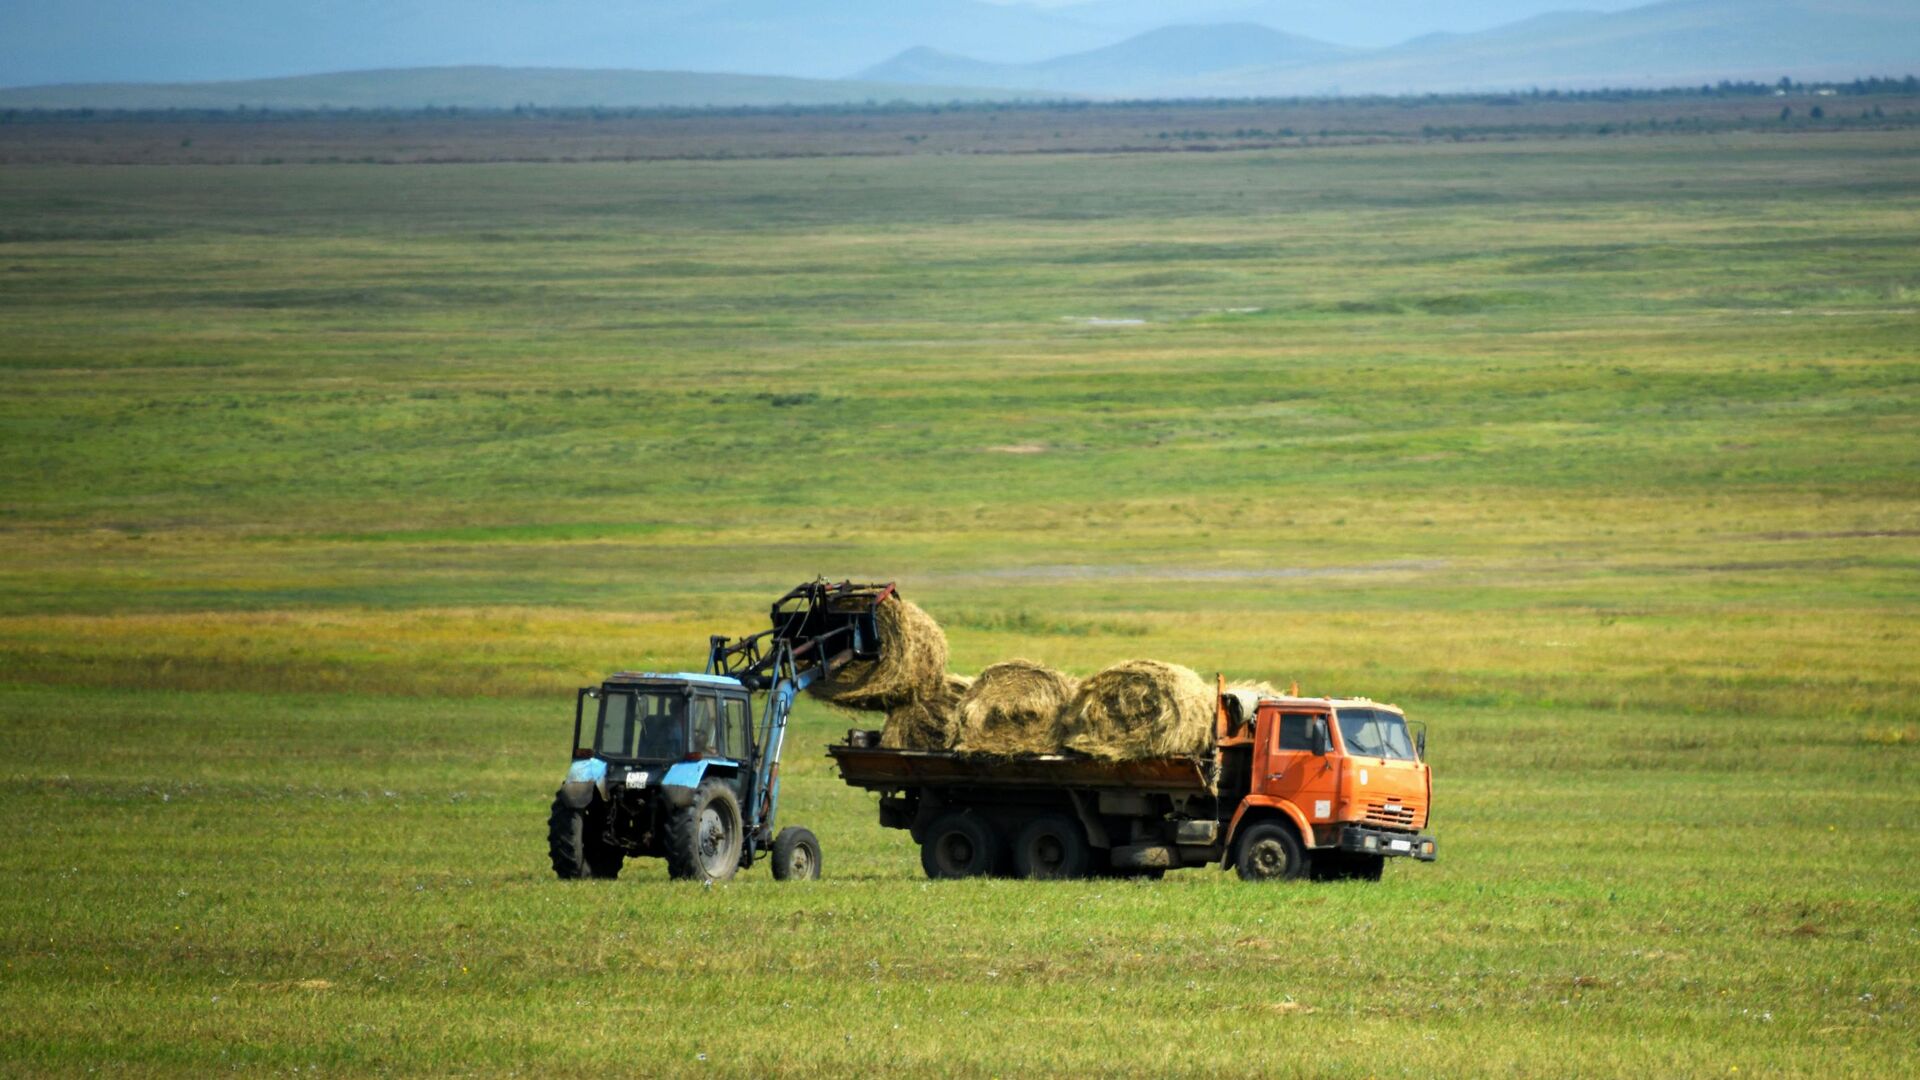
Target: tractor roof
x=722, y=681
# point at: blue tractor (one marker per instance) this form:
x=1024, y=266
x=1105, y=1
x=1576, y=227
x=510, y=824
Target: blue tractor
x=673, y=765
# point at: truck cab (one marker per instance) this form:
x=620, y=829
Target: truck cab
x=1327, y=785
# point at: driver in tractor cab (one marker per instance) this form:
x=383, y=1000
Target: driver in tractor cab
x=662, y=734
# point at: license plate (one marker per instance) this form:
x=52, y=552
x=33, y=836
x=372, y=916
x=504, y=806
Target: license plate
x=1400, y=845
x=636, y=779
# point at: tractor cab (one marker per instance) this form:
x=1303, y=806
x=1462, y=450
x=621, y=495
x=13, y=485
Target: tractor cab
x=633, y=719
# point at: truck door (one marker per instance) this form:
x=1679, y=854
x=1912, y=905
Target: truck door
x=1292, y=770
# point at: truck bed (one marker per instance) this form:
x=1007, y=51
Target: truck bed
x=878, y=769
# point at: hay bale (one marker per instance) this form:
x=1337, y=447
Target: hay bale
x=1140, y=709
x=930, y=721
x=912, y=663
x=1013, y=707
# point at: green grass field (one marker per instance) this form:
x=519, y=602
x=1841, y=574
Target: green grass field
x=325, y=485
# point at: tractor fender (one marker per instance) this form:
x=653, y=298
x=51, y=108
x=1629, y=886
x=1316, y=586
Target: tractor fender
x=584, y=778
x=684, y=778
x=1260, y=806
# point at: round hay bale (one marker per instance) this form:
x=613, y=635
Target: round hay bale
x=1013, y=707
x=1140, y=709
x=912, y=663
x=929, y=722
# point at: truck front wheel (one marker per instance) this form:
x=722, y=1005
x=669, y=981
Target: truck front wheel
x=958, y=846
x=1051, y=847
x=1270, y=851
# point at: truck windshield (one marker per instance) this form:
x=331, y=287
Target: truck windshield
x=642, y=724
x=1375, y=733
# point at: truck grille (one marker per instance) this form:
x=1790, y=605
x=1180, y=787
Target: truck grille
x=1398, y=815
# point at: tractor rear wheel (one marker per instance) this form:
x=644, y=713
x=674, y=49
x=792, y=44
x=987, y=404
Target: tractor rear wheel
x=704, y=837
x=959, y=845
x=796, y=855
x=575, y=846
x=1270, y=851
x=1050, y=847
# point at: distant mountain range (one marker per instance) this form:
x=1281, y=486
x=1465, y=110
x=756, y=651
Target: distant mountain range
x=686, y=52
x=1140, y=66
x=493, y=88
x=46, y=41
x=1677, y=42
x=49, y=41
x=1366, y=23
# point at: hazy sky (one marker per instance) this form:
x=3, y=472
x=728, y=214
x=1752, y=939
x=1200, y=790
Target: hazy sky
x=50, y=41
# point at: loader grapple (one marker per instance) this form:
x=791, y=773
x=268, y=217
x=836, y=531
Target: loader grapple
x=824, y=625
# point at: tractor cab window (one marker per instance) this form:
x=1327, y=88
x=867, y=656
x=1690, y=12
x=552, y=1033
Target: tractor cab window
x=1375, y=733
x=708, y=739
x=642, y=724
x=739, y=726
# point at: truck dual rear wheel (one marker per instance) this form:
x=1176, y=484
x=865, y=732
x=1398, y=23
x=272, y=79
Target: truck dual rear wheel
x=1051, y=847
x=796, y=855
x=1270, y=851
x=958, y=846
x=575, y=846
x=704, y=837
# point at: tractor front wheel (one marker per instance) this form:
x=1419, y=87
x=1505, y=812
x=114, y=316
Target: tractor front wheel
x=796, y=855
x=575, y=845
x=704, y=837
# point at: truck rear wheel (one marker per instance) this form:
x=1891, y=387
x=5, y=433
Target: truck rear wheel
x=1051, y=847
x=704, y=837
x=575, y=846
x=958, y=846
x=796, y=855
x=1269, y=851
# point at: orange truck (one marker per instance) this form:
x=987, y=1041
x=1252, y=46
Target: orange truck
x=1327, y=788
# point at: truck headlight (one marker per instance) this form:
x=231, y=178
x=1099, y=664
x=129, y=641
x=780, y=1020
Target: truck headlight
x=1371, y=843
x=1426, y=847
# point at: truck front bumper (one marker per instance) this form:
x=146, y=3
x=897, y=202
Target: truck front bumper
x=1366, y=841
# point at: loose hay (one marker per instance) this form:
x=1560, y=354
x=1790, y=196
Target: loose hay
x=1140, y=709
x=1014, y=707
x=927, y=722
x=912, y=663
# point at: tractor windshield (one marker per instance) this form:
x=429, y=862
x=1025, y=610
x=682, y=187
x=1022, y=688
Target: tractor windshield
x=1376, y=733
x=646, y=725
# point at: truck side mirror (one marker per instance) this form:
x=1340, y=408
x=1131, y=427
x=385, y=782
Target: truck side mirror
x=1420, y=745
x=1321, y=743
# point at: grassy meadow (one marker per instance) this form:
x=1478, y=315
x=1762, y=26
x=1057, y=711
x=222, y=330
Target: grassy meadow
x=325, y=485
